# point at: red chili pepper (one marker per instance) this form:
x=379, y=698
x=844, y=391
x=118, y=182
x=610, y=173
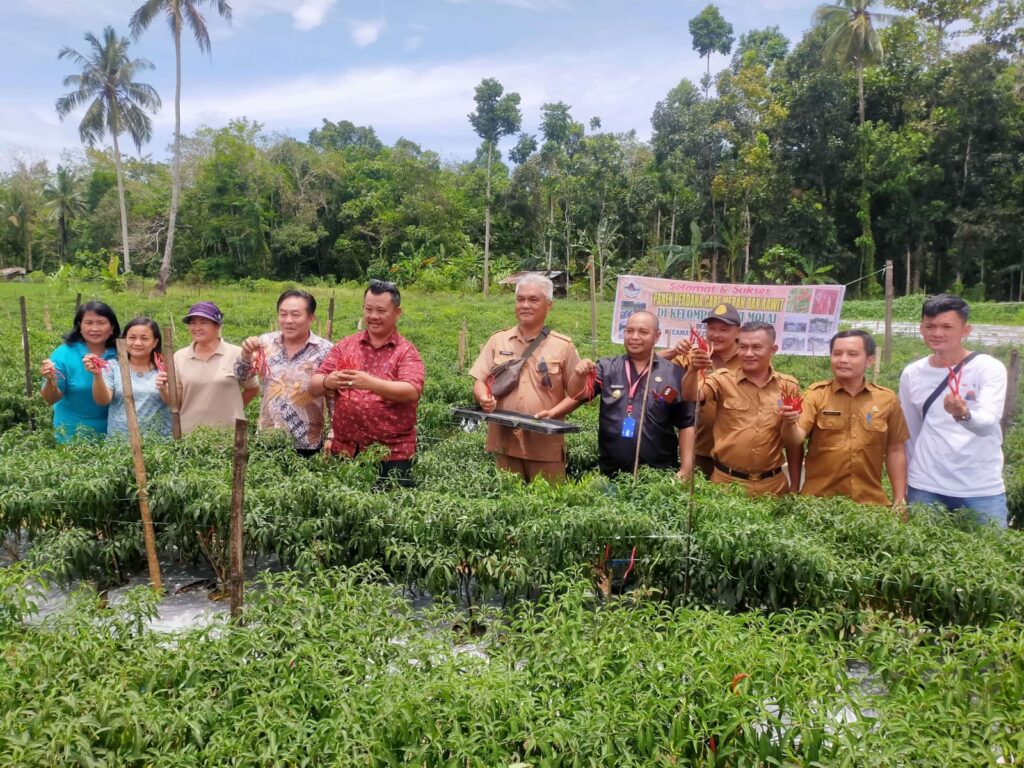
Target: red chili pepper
x=632, y=560
x=712, y=746
x=102, y=363
x=159, y=360
x=697, y=339
x=793, y=402
x=259, y=362
x=737, y=679
x=589, y=387
x=954, y=380
x=349, y=363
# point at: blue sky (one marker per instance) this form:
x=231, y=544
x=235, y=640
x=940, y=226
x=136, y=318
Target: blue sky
x=406, y=67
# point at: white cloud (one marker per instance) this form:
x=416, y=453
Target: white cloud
x=413, y=43
x=366, y=33
x=311, y=14
x=306, y=14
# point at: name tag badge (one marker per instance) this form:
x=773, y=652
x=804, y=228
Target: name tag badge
x=831, y=413
x=629, y=427
x=503, y=352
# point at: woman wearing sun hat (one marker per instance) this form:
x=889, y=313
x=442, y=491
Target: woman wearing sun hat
x=208, y=392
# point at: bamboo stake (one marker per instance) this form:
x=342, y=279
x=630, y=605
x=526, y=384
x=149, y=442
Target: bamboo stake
x=78, y=301
x=24, y=347
x=890, y=293
x=236, y=543
x=693, y=491
x=140, y=466
x=172, y=381
x=593, y=306
x=878, y=366
x=1012, y=389
x=643, y=411
x=47, y=324
x=330, y=319
x=463, y=340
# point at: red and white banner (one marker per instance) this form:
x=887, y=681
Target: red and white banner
x=805, y=316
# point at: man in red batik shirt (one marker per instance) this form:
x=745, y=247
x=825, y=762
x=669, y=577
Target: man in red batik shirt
x=375, y=378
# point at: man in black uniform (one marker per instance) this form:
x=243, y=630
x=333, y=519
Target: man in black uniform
x=622, y=383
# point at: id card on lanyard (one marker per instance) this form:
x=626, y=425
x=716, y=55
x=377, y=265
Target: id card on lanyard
x=629, y=423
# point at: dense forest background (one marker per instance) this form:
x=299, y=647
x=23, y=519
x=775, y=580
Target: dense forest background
x=800, y=162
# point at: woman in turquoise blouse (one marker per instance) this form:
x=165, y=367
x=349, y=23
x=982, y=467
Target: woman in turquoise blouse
x=67, y=385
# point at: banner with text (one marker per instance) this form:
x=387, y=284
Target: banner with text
x=805, y=316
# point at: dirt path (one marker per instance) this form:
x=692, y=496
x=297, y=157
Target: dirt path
x=989, y=335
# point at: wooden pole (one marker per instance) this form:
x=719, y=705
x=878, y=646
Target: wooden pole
x=330, y=319
x=643, y=410
x=878, y=367
x=140, y=466
x=47, y=324
x=241, y=460
x=78, y=301
x=889, y=294
x=593, y=306
x=463, y=340
x=24, y=347
x=1012, y=389
x=172, y=381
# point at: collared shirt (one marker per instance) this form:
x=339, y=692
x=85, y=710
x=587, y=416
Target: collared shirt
x=285, y=401
x=533, y=394
x=705, y=438
x=665, y=413
x=746, y=417
x=76, y=412
x=208, y=393
x=152, y=413
x=362, y=418
x=849, y=437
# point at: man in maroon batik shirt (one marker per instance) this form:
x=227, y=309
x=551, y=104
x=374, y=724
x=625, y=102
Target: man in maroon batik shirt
x=375, y=378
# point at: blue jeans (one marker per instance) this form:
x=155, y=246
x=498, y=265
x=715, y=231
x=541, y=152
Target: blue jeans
x=988, y=508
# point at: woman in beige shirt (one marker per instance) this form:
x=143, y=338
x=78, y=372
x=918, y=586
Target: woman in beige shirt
x=208, y=393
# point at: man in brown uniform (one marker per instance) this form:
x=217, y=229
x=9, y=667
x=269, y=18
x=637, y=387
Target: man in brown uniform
x=723, y=332
x=853, y=425
x=746, y=412
x=545, y=380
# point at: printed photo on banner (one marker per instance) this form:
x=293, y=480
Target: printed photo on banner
x=805, y=316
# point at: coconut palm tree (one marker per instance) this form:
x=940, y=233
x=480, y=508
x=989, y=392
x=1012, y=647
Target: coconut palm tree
x=853, y=37
x=65, y=200
x=178, y=13
x=116, y=103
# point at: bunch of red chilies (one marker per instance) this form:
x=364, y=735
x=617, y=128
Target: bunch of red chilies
x=161, y=366
x=954, y=380
x=793, y=402
x=589, y=387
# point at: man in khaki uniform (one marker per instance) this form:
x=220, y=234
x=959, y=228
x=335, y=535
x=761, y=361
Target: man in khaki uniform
x=723, y=332
x=746, y=413
x=853, y=425
x=545, y=380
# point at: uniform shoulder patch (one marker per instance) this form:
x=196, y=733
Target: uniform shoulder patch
x=786, y=377
x=819, y=385
x=560, y=336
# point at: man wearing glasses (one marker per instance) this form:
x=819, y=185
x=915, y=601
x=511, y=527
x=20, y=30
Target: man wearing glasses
x=375, y=378
x=623, y=383
x=544, y=382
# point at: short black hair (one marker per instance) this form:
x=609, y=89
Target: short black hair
x=377, y=287
x=870, y=347
x=945, y=302
x=153, y=328
x=294, y=293
x=759, y=325
x=97, y=308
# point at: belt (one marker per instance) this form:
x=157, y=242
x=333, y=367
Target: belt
x=747, y=475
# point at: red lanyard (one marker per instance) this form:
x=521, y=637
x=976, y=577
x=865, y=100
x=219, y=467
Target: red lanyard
x=632, y=387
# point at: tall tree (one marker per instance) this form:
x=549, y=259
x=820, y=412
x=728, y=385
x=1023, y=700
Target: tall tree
x=178, y=13
x=710, y=33
x=497, y=115
x=116, y=103
x=65, y=200
x=853, y=37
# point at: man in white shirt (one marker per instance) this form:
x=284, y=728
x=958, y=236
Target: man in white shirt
x=953, y=401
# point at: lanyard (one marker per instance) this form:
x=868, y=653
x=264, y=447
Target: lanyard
x=632, y=387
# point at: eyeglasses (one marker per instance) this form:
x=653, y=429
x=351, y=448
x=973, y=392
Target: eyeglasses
x=545, y=379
